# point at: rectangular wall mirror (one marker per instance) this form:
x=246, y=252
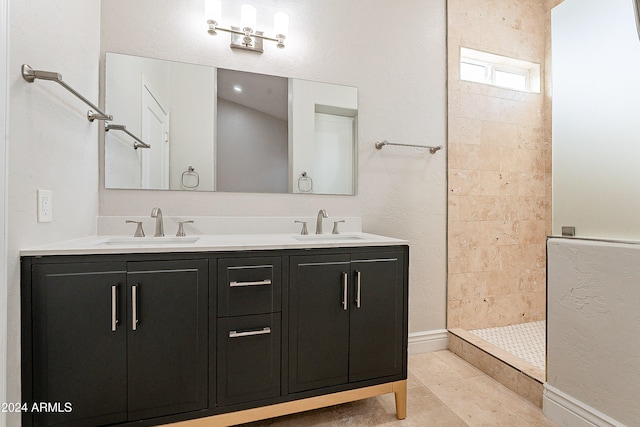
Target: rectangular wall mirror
x=213, y=129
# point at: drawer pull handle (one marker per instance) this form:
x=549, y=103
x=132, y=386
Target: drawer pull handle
x=114, y=307
x=235, y=284
x=345, y=280
x=236, y=334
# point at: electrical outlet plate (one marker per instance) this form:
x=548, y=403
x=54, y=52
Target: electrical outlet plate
x=45, y=213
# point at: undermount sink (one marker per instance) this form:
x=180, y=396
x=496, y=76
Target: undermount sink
x=151, y=241
x=322, y=237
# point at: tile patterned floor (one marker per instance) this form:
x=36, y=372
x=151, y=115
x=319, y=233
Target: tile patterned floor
x=444, y=391
x=526, y=340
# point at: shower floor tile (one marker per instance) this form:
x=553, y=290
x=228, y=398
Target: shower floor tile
x=526, y=340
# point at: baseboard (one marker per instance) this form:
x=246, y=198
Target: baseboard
x=567, y=411
x=428, y=341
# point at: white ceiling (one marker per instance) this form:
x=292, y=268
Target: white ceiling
x=267, y=94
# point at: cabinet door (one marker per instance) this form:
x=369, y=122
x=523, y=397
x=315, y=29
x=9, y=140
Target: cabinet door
x=167, y=337
x=248, y=358
x=79, y=343
x=377, y=328
x=318, y=321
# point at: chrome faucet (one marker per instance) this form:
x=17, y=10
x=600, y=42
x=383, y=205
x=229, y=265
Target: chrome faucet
x=321, y=214
x=157, y=214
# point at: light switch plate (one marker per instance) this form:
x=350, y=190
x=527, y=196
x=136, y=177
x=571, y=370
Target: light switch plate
x=45, y=213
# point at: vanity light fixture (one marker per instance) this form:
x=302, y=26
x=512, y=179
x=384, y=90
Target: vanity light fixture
x=246, y=36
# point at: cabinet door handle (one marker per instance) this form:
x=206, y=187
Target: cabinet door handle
x=134, y=307
x=114, y=307
x=345, y=280
x=236, y=334
x=357, y=289
x=235, y=284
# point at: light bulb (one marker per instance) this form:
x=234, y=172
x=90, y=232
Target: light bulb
x=281, y=23
x=248, y=16
x=213, y=10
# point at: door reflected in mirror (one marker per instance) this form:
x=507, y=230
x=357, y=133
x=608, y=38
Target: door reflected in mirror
x=213, y=129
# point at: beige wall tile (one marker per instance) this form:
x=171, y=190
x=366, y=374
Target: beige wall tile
x=528, y=207
x=499, y=169
x=484, y=208
x=482, y=183
x=463, y=234
x=523, y=256
x=464, y=131
x=531, y=184
x=469, y=286
x=532, y=280
x=532, y=138
x=499, y=134
x=522, y=160
x=453, y=208
x=472, y=156
x=477, y=258
x=499, y=232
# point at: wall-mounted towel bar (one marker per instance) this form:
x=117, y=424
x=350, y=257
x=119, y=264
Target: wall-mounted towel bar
x=432, y=150
x=137, y=144
x=30, y=75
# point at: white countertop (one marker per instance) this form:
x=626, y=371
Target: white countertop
x=119, y=244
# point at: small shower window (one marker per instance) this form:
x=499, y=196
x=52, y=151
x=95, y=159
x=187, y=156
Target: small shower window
x=497, y=70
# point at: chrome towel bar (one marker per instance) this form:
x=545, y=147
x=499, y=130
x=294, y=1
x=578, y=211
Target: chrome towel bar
x=30, y=75
x=432, y=150
x=137, y=144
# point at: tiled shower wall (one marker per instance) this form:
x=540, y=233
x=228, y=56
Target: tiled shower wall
x=499, y=169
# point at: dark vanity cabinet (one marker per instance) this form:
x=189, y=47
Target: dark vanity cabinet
x=150, y=339
x=117, y=341
x=346, y=320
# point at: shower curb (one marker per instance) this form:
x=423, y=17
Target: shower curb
x=519, y=376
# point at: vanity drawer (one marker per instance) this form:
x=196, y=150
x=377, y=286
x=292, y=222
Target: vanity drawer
x=249, y=286
x=248, y=367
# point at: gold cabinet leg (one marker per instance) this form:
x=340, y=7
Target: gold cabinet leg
x=400, y=391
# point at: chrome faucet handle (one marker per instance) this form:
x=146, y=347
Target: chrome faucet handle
x=139, y=231
x=181, y=232
x=335, y=226
x=304, y=227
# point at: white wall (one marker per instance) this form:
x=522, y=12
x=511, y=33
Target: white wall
x=401, y=80
x=596, y=127
x=593, y=333
x=124, y=77
x=305, y=96
x=192, y=88
x=250, y=157
x=3, y=205
x=51, y=144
